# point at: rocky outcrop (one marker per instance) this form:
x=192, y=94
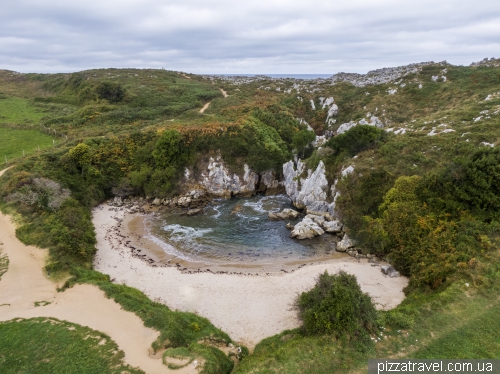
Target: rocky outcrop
x=269, y=183
x=345, y=244
x=212, y=175
x=374, y=121
x=284, y=214
x=221, y=183
x=379, y=76
x=333, y=227
x=311, y=189
x=306, y=229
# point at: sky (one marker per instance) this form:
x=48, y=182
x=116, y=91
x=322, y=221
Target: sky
x=245, y=37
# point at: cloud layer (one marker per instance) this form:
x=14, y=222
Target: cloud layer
x=261, y=36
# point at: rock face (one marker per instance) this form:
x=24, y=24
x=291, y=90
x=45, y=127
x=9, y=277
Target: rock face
x=213, y=176
x=220, y=182
x=269, y=184
x=312, y=188
x=345, y=244
x=306, y=229
x=284, y=214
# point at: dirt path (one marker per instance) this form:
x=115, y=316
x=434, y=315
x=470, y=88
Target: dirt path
x=205, y=107
x=224, y=93
x=24, y=283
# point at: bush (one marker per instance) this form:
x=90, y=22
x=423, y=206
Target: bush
x=112, y=92
x=355, y=140
x=336, y=305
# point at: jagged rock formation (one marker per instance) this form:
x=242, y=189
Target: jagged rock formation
x=313, y=188
x=345, y=244
x=378, y=76
x=490, y=62
x=374, y=121
x=218, y=180
x=306, y=229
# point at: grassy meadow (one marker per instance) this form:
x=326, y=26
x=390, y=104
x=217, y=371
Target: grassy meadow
x=14, y=141
x=47, y=345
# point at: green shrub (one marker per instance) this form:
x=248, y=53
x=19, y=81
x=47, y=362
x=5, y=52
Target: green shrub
x=113, y=92
x=355, y=140
x=336, y=305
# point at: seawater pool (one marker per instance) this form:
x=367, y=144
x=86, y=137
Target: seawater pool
x=234, y=230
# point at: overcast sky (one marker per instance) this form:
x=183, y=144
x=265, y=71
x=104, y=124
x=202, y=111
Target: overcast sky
x=252, y=36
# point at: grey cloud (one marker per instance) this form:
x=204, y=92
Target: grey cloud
x=262, y=36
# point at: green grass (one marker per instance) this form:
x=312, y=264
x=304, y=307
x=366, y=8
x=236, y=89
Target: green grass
x=47, y=345
x=14, y=141
x=16, y=110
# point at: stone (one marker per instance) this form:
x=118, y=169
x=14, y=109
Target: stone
x=306, y=229
x=184, y=201
x=333, y=226
x=156, y=201
x=117, y=201
x=390, y=271
x=284, y=214
x=319, y=220
x=289, y=226
x=345, y=244
x=193, y=212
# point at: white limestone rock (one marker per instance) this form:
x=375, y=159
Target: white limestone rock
x=306, y=229
x=219, y=182
x=284, y=214
x=333, y=226
x=345, y=244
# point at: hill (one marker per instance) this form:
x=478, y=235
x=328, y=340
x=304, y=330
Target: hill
x=407, y=157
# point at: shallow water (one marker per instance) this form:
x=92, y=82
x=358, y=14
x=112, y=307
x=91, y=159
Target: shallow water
x=234, y=230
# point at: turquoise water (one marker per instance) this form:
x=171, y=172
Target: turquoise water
x=234, y=231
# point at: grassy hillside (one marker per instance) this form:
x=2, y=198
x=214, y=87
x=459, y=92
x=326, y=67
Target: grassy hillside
x=423, y=194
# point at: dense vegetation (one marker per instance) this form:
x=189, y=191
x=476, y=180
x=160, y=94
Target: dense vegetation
x=337, y=306
x=425, y=195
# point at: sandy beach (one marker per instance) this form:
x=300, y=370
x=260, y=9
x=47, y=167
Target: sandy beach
x=249, y=307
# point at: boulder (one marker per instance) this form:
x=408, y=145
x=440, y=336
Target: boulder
x=184, y=201
x=345, y=244
x=333, y=226
x=319, y=220
x=390, y=271
x=306, y=229
x=193, y=212
x=156, y=201
x=117, y=201
x=284, y=214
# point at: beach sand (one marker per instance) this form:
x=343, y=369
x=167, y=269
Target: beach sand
x=249, y=307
